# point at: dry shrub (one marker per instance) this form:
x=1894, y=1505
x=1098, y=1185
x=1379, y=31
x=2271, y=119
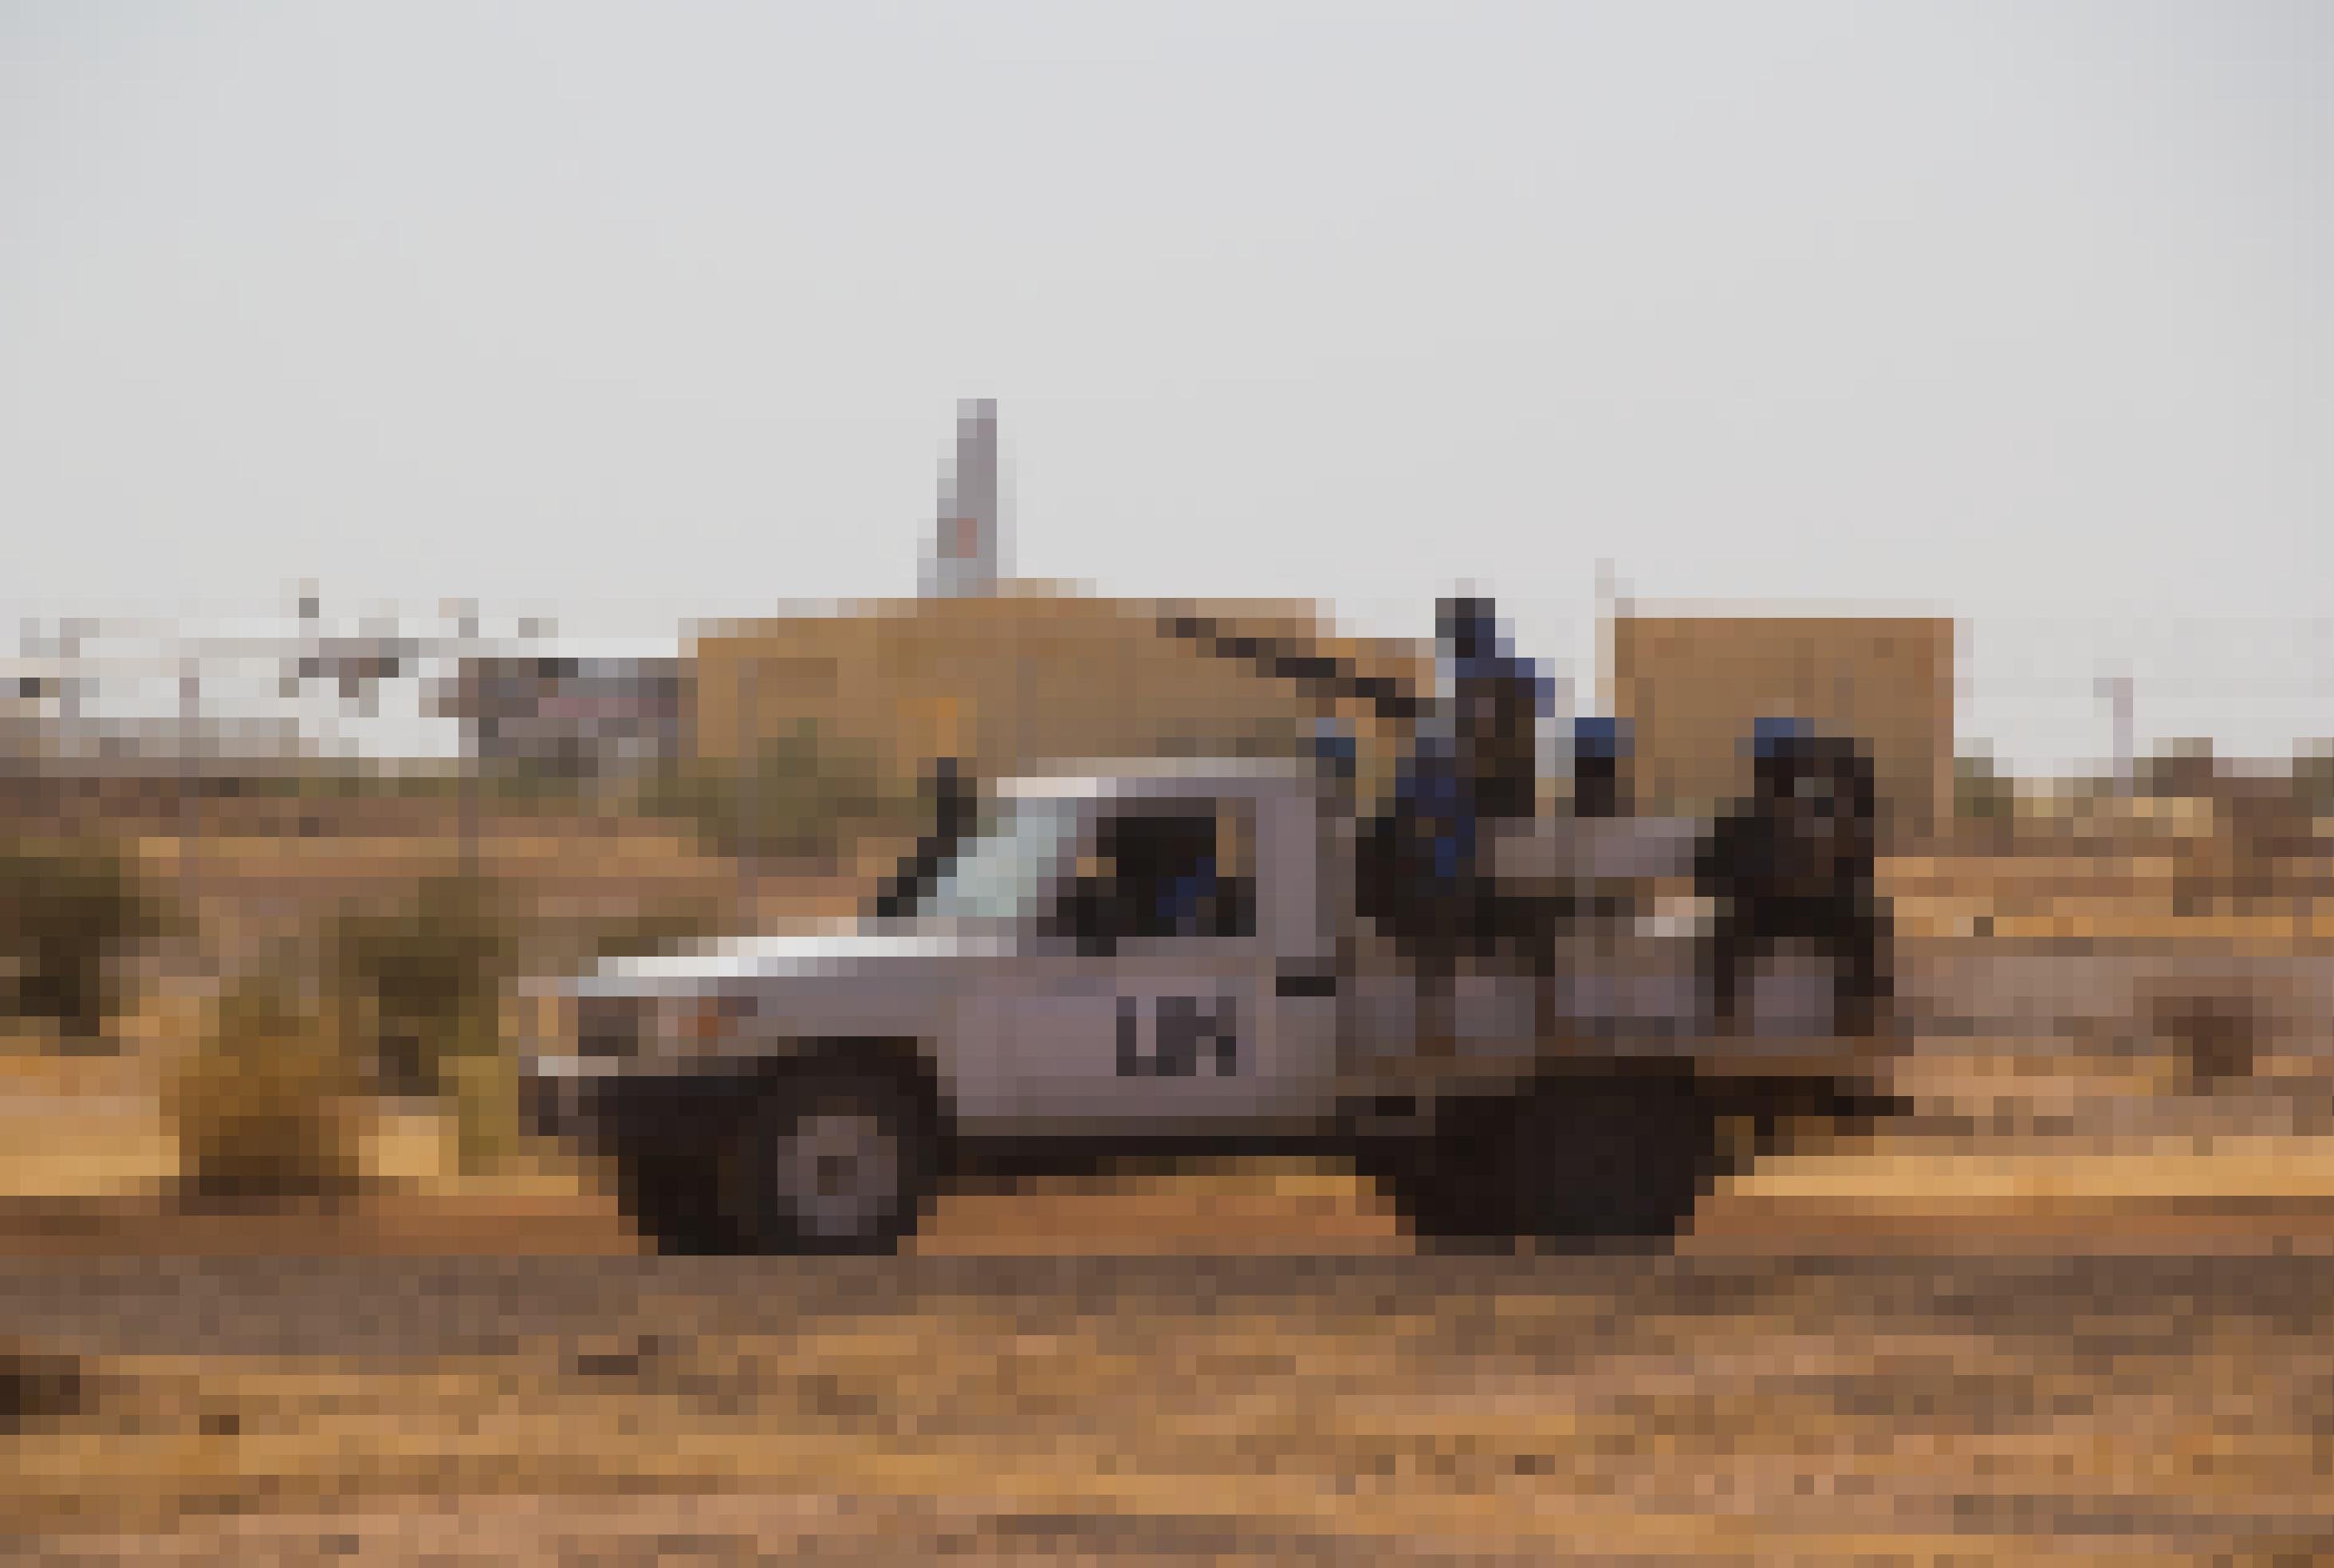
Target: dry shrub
x=422, y=986
x=267, y=1105
x=422, y=982
x=483, y=1088
x=70, y=911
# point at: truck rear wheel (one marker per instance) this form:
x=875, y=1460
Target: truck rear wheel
x=1585, y=1159
x=833, y=1162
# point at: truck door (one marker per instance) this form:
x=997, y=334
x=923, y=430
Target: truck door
x=1150, y=1007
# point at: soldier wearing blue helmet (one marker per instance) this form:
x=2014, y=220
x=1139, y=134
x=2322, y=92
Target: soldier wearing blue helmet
x=1796, y=861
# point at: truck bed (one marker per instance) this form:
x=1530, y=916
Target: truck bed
x=1625, y=987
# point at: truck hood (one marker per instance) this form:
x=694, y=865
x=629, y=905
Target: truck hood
x=835, y=949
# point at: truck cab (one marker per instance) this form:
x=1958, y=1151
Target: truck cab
x=1145, y=953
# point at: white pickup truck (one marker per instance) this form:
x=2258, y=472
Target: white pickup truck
x=1164, y=955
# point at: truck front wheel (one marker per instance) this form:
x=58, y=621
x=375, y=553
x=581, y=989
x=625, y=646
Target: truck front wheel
x=833, y=1162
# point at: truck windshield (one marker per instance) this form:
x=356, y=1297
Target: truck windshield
x=1000, y=873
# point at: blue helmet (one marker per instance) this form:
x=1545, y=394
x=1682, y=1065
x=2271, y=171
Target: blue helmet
x=1601, y=739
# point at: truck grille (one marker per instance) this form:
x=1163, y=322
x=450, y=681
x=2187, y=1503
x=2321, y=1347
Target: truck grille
x=609, y=1027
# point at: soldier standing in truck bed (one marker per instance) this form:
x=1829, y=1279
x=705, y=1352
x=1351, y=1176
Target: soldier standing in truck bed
x=1471, y=761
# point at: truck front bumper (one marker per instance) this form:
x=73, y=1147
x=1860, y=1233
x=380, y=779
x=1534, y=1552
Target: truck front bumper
x=601, y=1109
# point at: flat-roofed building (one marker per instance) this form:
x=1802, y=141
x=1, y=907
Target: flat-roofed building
x=1027, y=678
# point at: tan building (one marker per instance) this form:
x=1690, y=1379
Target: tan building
x=1692, y=686
x=1023, y=678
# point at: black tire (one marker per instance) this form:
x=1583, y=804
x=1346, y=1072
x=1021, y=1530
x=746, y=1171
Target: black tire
x=662, y=1143
x=675, y=1201
x=1585, y=1159
x=832, y=1162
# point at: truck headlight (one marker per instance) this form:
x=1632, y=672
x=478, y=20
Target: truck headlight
x=688, y=1025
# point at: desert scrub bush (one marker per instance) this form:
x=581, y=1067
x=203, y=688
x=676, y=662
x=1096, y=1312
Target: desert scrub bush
x=530, y=782
x=70, y=911
x=266, y=1106
x=478, y=1082
x=421, y=983
x=421, y=988
x=1981, y=793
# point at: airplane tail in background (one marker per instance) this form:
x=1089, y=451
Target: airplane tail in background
x=963, y=560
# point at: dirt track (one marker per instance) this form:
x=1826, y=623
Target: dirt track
x=1804, y=1406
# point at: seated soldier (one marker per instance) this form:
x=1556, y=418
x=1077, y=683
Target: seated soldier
x=1796, y=862
x=1187, y=902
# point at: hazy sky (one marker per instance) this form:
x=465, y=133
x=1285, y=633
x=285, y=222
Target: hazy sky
x=2015, y=311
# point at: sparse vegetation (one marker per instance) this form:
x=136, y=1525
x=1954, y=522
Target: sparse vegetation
x=1981, y=792
x=2184, y=769
x=70, y=912
x=420, y=985
x=479, y=1079
x=265, y=1105
x=2313, y=779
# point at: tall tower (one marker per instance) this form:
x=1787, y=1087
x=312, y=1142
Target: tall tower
x=963, y=561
